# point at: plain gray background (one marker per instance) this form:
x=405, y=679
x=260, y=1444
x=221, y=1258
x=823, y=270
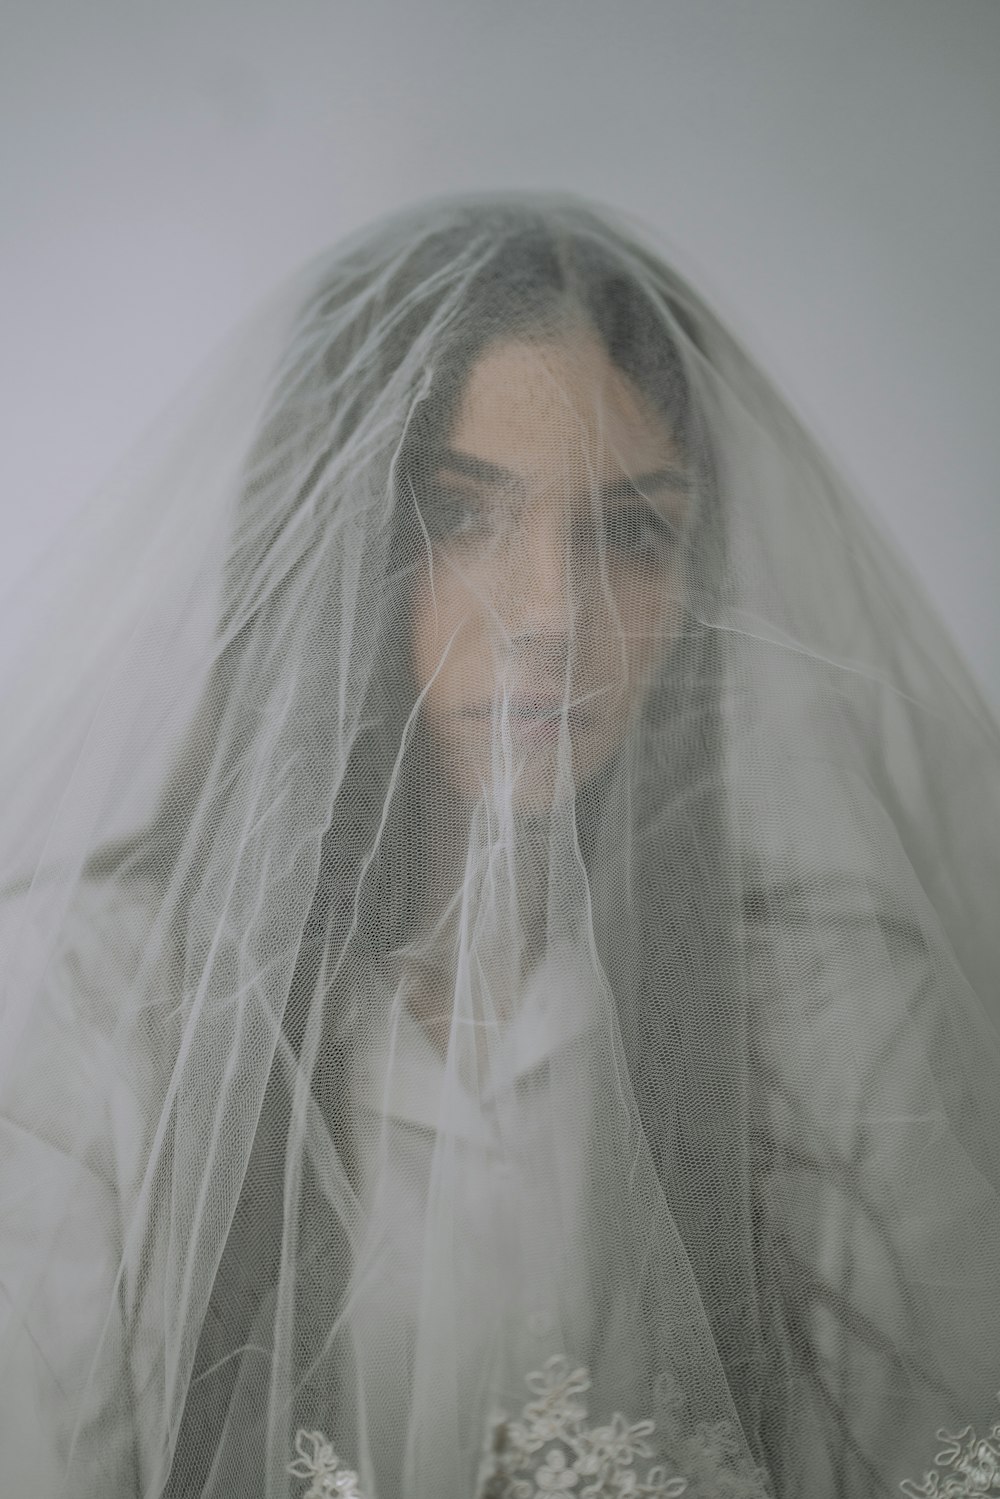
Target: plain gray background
x=828, y=174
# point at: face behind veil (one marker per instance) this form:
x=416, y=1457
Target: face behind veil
x=501, y=964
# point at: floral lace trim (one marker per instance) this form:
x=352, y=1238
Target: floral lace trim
x=329, y=1477
x=551, y=1451
x=969, y=1467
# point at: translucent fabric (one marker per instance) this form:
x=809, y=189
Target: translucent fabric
x=499, y=935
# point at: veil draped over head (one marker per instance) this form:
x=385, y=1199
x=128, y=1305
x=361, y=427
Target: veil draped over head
x=499, y=930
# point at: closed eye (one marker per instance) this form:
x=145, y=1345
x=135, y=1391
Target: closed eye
x=635, y=529
x=639, y=532
x=453, y=513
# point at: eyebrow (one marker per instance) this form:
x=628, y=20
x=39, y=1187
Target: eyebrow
x=491, y=473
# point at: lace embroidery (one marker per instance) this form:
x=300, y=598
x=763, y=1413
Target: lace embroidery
x=552, y=1451
x=317, y=1461
x=970, y=1467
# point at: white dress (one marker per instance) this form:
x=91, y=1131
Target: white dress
x=507, y=1167
x=69, y=1181
x=517, y=1168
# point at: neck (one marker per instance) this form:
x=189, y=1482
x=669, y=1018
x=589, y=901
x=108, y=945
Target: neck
x=495, y=870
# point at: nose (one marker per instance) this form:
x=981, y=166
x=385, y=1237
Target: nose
x=541, y=585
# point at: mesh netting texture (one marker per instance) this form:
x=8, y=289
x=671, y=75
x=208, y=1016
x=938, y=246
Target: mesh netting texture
x=500, y=869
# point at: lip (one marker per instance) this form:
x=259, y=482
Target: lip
x=534, y=714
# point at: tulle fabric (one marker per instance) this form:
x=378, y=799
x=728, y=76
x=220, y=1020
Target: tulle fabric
x=622, y=1118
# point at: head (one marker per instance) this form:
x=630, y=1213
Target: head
x=553, y=518
x=550, y=490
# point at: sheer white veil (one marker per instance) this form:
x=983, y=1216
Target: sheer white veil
x=623, y=1119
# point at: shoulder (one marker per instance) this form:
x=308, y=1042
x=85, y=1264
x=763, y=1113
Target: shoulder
x=866, y=1171
x=85, y=937
x=844, y=1001
x=74, y=1056
x=837, y=971
x=74, y=1106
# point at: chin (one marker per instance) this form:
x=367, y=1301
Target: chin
x=535, y=783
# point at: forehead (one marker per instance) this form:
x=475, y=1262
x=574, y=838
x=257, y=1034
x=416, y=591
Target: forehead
x=558, y=405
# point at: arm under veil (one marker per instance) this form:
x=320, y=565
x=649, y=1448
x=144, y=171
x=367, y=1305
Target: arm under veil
x=616, y=1111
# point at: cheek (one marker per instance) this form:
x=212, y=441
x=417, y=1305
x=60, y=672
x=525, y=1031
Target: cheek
x=443, y=627
x=648, y=610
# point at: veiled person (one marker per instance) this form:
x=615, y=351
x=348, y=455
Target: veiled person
x=499, y=941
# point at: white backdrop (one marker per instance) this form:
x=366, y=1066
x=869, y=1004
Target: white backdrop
x=826, y=171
